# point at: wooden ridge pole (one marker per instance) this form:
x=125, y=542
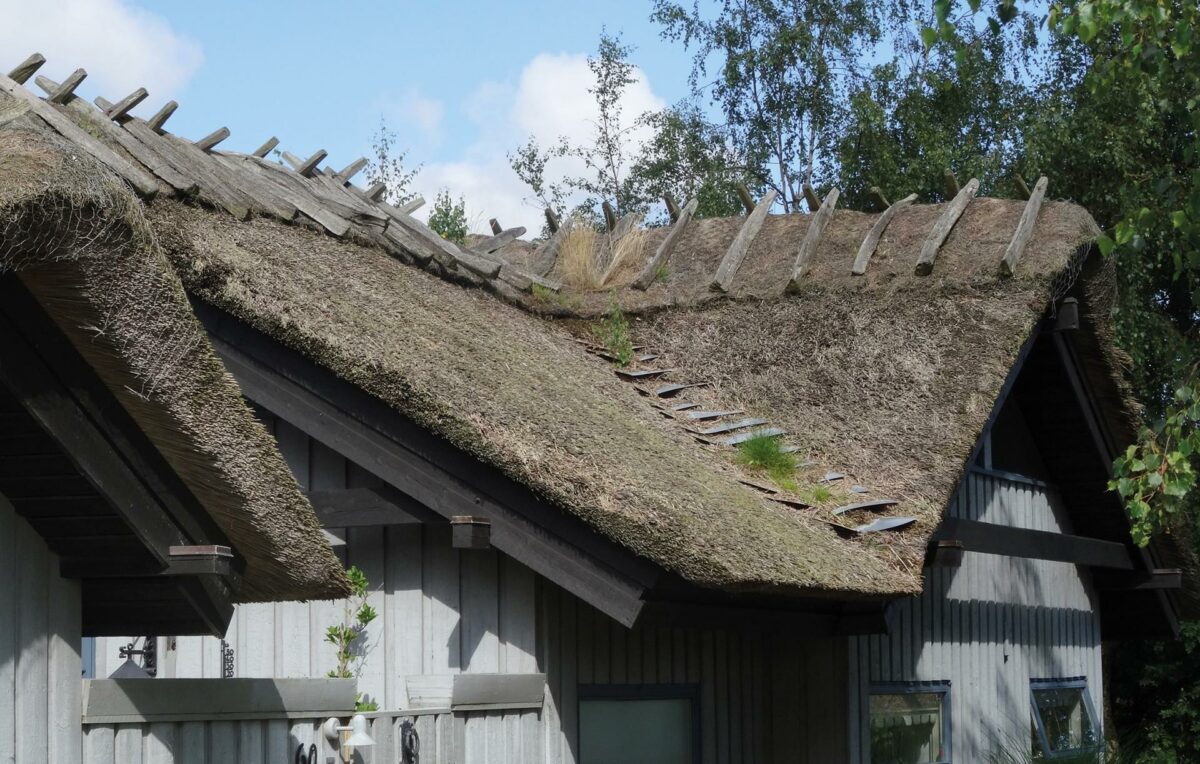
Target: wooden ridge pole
x=745, y=197
x=736, y=253
x=119, y=111
x=1016, y=247
x=812, y=239
x=161, y=116
x=262, y=151
x=951, y=183
x=210, y=141
x=646, y=277
x=610, y=216
x=552, y=220
x=497, y=229
x=672, y=206
x=21, y=73
x=945, y=223
x=872, y=241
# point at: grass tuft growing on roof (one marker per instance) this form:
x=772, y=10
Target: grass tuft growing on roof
x=614, y=333
x=764, y=453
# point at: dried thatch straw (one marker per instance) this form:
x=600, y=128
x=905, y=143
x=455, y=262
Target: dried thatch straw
x=578, y=264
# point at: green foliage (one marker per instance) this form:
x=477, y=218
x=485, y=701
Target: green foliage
x=348, y=636
x=766, y=454
x=614, y=333
x=1157, y=705
x=662, y=273
x=448, y=218
x=388, y=166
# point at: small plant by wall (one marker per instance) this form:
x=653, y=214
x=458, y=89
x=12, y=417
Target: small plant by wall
x=348, y=637
x=614, y=333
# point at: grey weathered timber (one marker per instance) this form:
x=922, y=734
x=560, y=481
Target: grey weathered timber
x=672, y=206
x=552, y=220
x=712, y=414
x=610, y=216
x=120, y=110
x=640, y=373
x=210, y=141
x=229, y=182
x=812, y=239
x=993, y=538
x=306, y=167
x=1022, y=188
x=945, y=223
x=736, y=253
x=494, y=243
x=863, y=259
x=742, y=437
x=114, y=701
x=875, y=504
x=352, y=169
x=810, y=196
x=325, y=186
x=547, y=255
x=443, y=251
x=740, y=424
x=91, y=119
x=161, y=116
x=624, y=226
x=24, y=70
x=525, y=281
x=142, y=181
x=951, y=183
x=497, y=229
x=881, y=201
x=1020, y=239
x=412, y=205
x=65, y=89
x=497, y=691
x=209, y=187
x=744, y=196
x=266, y=148
x=646, y=277
x=299, y=197
x=376, y=191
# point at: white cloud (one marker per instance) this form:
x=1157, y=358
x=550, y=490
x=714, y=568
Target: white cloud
x=550, y=100
x=121, y=46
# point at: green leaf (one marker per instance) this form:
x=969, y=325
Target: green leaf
x=1179, y=218
x=1106, y=245
x=929, y=37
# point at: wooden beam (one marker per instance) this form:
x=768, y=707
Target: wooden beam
x=66, y=88
x=648, y=274
x=210, y=141
x=945, y=223
x=431, y=471
x=872, y=241
x=552, y=220
x=1158, y=578
x=497, y=229
x=1020, y=239
x=990, y=538
x=142, y=181
x=191, y=162
x=950, y=183
x=723, y=279
x=880, y=201
x=798, y=624
x=412, y=205
x=367, y=507
x=744, y=196
x=514, y=276
x=469, y=532
x=118, y=111
x=161, y=116
x=262, y=151
x=306, y=167
x=672, y=206
x=26, y=69
x=491, y=244
x=1022, y=189
x=812, y=239
x=376, y=192
x=610, y=216
x=352, y=169
x=810, y=196
x=547, y=255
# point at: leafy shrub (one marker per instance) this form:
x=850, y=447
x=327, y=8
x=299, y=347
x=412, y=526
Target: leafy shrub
x=449, y=218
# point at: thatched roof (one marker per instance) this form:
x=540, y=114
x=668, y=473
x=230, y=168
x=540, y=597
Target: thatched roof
x=77, y=237
x=887, y=378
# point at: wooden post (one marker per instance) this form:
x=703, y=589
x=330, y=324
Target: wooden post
x=810, y=196
x=1008, y=266
x=881, y=202
x=376, y=192
x=352, y=169
x=497, y=241
x=262, y=151
x=307, y=167
x=941, y=229
x=744, y=195
x=951, y=183
x=210, y=141
x=1021, y=187
x=552, y=220
x=497, y=229
x=24, y=70
x=412, y=205
x=646, y=277
x=119, y=111
x=741, y=244
x=812, y=239
x=160, y=118
x=610, y=216
x=872, y=241
x=672, y=206
x=65, y=90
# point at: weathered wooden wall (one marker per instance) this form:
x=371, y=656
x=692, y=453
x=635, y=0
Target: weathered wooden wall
x=988, y=627
x=40, y=625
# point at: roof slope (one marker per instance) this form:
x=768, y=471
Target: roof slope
x=77, y=237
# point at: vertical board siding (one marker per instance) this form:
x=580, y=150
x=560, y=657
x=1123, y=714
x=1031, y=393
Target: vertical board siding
x=40, y=667
x=987, y=627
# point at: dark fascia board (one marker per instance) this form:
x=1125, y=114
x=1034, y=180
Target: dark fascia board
x=990, y=538
x=833, y=621
x=431, y=471
x=68, y=400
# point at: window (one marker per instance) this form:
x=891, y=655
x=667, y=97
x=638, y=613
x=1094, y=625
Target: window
x=910, y=723
x=639, y=724
x=1064, y=722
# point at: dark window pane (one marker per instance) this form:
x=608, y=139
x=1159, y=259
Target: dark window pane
x=1065, y=718
x=907, y=728
x=635, y=731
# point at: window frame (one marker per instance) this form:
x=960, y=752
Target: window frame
x=938, y=686
x=640, y=692
x=1064, y=683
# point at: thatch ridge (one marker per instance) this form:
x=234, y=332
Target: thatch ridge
x=78, y=238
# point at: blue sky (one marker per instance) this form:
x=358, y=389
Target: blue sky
x=461, y=83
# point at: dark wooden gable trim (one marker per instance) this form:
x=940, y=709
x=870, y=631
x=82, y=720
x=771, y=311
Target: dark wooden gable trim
x=429, y=470
x=70, y=404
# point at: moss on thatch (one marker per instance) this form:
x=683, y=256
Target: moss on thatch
x=78, y=239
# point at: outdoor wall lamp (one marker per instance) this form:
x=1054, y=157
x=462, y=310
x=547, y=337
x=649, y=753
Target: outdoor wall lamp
x=349, y=737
